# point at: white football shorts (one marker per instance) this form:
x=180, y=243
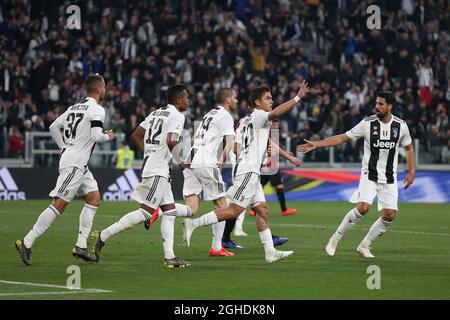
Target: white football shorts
x=73, y=181
x=367, y=191
x=206, y=179
x=246, y=190
x=153, y=191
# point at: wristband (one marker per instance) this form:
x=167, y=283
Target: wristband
x=297, y=98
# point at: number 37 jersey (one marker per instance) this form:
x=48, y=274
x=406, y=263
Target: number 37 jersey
x=157, y=126
x=77, y=122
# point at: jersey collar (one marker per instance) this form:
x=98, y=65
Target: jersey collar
x=387, y=123
x=223, y=108
x=90, y=98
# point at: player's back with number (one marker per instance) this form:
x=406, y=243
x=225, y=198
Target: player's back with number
x=208, y=140
x=77, y=122
x=157, y=126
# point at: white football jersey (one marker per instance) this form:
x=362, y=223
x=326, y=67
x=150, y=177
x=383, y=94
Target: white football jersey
x=381, y=141
x=208, y=139
x=77, y=122
x=157, y=126
x=253, y=136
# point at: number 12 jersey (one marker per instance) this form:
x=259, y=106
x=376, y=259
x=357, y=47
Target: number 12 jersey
x=157, y=126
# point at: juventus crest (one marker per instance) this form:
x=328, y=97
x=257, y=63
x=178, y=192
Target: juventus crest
x=395, y=133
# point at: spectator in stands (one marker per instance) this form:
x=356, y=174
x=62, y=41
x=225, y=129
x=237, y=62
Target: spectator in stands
x=16, y=143
x=258, y=56
x=143, y=47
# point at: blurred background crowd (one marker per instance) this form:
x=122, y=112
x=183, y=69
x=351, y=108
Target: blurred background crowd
x=142, y=47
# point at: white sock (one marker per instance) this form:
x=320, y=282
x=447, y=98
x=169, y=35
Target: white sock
x=170, y=213
x=205, y=220
x=267, y=241
x=347, y=223
x=376, y=230
x=126, y=222
x=240, y=221
x=44, y=222
x=167, y=233
x=183, y=210
x=218, y=229
x=86, y=220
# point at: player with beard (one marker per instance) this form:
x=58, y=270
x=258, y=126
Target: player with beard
x=212, y=142
x=383, y=133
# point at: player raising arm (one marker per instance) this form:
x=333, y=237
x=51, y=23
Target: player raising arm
x=247, y=189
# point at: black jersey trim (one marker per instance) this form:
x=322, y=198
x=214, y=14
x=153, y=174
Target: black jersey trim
x=395, y=134
x=374, y=151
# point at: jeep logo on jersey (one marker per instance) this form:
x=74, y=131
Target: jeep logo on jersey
x=384, y=144
x=8, y=187
x=122, y=189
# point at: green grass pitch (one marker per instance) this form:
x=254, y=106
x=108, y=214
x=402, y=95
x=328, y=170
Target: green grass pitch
x=413, y=257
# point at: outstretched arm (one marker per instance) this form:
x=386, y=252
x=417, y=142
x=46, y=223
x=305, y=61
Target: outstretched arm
x=274, y=148
x=329, y=142
x=285, y=107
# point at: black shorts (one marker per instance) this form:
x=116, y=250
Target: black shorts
x=274, y=179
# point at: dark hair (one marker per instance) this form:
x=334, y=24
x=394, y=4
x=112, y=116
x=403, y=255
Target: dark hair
x=388, y=96
x=92, y=82
x=256, y=94
x=174, y=92
x=223, y=94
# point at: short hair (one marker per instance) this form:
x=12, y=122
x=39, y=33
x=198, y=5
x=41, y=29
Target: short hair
x=388, y=96
x=223, y=94
x=256, y=94
x=92, y=82
x=174, y=92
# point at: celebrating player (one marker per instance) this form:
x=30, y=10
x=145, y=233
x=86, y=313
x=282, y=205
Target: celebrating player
x=82, y=127
x=157, y=137
x=382, y=133
x=207, y=161
x=277, y=241
x=247, y=189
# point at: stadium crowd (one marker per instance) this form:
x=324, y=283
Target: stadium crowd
x=142, y=47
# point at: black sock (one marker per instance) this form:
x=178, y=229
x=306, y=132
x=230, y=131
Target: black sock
x=229, y=225
x=281, y=198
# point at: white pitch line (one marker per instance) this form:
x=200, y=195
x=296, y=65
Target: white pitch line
x=43, y=293
x=46, y=285
x=317, y=226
